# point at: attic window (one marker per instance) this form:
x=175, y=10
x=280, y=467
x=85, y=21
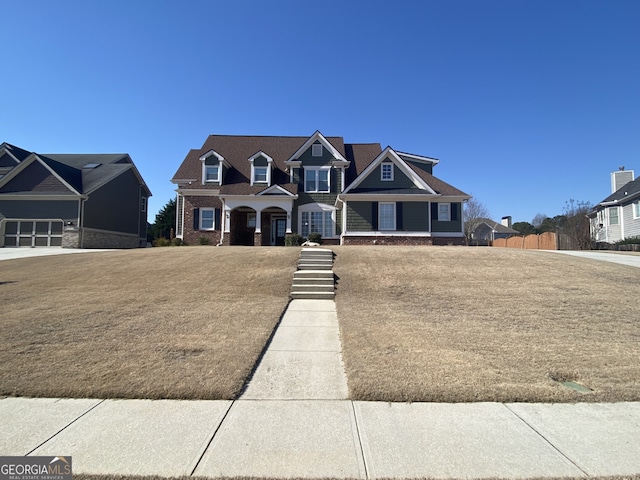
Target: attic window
x=386, y=172
x=316, y=150
x=91, y=165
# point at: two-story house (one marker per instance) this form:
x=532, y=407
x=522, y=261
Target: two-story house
x=617, y=217
x=253, y=190
x=71, y=200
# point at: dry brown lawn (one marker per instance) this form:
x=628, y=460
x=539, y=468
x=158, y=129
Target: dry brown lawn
x=456, y=324
x=187, y=322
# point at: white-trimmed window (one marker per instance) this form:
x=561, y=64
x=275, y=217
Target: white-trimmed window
x=613, y=216
x=636, y=209
x=207, y=218
x=260, y=175
x=387, y=216
x=317, y=218
x=179, y=215
x=211, y=173
x=317, y=179
x=316, y=150
x=251, y=220
x=444, y=212
x=386, y=172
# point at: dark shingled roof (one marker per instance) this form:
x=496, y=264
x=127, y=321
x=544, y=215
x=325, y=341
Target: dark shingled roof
x=627, y=191
x=237, y=149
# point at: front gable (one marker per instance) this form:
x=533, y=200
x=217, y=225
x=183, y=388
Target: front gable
x=402, y=176
x=34, y=176
x=317, y=151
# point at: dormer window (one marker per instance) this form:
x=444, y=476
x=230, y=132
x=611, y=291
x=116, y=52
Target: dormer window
x=260, y=174
x=316, y=150
x=212, y=165
x=261, y=166
x=211, y=173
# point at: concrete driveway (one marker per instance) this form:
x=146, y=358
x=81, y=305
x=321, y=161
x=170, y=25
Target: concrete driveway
x=9, y=253
x=614, y=257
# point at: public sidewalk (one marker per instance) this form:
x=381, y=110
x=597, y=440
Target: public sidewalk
x=326, y=438
x=293, y=421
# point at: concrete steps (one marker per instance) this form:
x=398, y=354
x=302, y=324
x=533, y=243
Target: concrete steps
x=314, y=278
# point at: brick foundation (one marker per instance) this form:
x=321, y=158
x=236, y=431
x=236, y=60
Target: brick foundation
x=98, y=239
x=400, y=240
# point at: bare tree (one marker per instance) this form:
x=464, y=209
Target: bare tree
x=474, y=210
x=576, y=225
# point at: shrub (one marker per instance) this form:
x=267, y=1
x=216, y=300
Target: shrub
x=203, y=240
x=176, y=242
x=629, y=241
x=293, y=240
x=161, y=242
x=315, y=237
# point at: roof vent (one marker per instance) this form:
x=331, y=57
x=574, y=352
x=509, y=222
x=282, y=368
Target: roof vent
x=90, y=166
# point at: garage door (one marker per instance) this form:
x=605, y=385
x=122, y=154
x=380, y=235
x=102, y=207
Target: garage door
x=33, y=233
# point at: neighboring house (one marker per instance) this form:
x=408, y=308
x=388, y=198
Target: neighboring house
x=486, y=231
x=71, y=200
x=618, y=216
x=251, y=190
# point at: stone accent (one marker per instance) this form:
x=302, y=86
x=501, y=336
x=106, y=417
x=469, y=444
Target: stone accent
x=257, y=239
x=71, y=237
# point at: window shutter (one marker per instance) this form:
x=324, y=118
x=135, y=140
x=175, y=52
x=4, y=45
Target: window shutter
x=434, y=211
x=374, y=215
x=399, y=216
x=216, y=219
x=454, y=211
x=196, y=219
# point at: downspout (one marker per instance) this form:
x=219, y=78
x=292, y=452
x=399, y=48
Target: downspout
x=81, y=222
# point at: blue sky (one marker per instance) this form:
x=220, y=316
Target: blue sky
x=526, y=103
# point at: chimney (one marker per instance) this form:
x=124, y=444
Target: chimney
x=506, y=221
x=620, y=178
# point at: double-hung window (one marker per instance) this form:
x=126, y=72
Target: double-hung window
x=613, y=216
x=444, y=212
x=211, y=173
x=316, y=180
x=387, y=216
x=386, y=172
x=636, y=209
x=207, y=218
x=259, y=174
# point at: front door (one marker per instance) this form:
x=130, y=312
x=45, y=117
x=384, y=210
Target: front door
x=278, y=229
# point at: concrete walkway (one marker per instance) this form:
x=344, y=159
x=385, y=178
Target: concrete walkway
x=10, y=253
x=304, y=358
x=326, y=438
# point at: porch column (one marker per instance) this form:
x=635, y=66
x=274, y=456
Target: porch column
x=227, y=220
x=288, y=221
x=258, y=221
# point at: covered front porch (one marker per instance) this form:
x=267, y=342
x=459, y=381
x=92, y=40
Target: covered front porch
x=257, y=220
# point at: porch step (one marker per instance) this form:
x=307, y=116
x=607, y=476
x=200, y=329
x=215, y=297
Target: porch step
x=314, y=278
x=313, y=295
x=315, y=266
x=324, y=274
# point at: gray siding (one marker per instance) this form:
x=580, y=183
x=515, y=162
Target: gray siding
x=66, y=210
x=307, y=159
x=415, y=216
x=7, y=161
x=373, y=182
x=631, y=225
x=422, y=166
x=359, y=217
x=35, y=178
x=116, y=206
x=452, y=226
